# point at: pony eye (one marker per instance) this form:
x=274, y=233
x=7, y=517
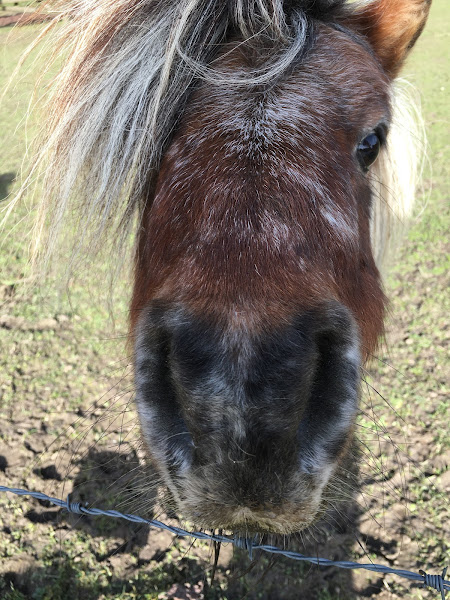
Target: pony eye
x=368, y=150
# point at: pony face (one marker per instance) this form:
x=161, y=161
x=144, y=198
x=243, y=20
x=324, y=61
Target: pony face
x=242, y=136
x=256, y=291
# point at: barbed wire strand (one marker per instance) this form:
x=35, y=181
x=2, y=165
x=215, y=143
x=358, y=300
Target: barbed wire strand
x=434, y=582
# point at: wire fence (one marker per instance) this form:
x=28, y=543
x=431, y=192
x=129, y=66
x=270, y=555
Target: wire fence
x=434, y=582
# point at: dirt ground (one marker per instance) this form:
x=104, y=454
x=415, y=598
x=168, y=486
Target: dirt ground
x=21, y=13
x=68, y=426
x=23, y=19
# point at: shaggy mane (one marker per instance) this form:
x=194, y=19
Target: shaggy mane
x=396, y=174
x=128, y=71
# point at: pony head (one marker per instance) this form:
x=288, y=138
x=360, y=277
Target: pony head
x=246, y=135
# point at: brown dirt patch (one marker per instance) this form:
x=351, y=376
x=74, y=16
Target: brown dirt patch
x=25, y=18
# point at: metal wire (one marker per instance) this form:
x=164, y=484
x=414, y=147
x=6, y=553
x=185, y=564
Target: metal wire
x=434, y=582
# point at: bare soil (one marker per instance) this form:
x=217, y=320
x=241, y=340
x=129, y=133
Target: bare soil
x=24, y=18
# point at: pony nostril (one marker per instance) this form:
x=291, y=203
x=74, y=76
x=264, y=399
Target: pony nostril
x=333, y=400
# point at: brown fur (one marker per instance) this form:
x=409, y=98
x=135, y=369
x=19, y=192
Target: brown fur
x=220, y=256
x=259, y=229
x=392, y=27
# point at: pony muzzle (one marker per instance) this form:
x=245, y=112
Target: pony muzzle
x=247, y=428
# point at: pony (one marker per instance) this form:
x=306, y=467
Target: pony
x=262, y=155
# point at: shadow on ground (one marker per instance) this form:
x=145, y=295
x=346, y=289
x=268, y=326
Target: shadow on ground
x=105, y=480
x=6, y=179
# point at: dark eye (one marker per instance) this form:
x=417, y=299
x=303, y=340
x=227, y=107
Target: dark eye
x=368, y=150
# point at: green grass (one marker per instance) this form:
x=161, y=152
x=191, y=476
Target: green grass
x=426, y=255
x=11, y=6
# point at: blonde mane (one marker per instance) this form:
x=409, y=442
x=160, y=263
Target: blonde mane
x=396, y=175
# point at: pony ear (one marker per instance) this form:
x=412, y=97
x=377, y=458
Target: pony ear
x=392, y=28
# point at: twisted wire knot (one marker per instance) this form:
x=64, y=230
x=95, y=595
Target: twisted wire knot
x=245, y=543
x=73, y=507
x=435, y=582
